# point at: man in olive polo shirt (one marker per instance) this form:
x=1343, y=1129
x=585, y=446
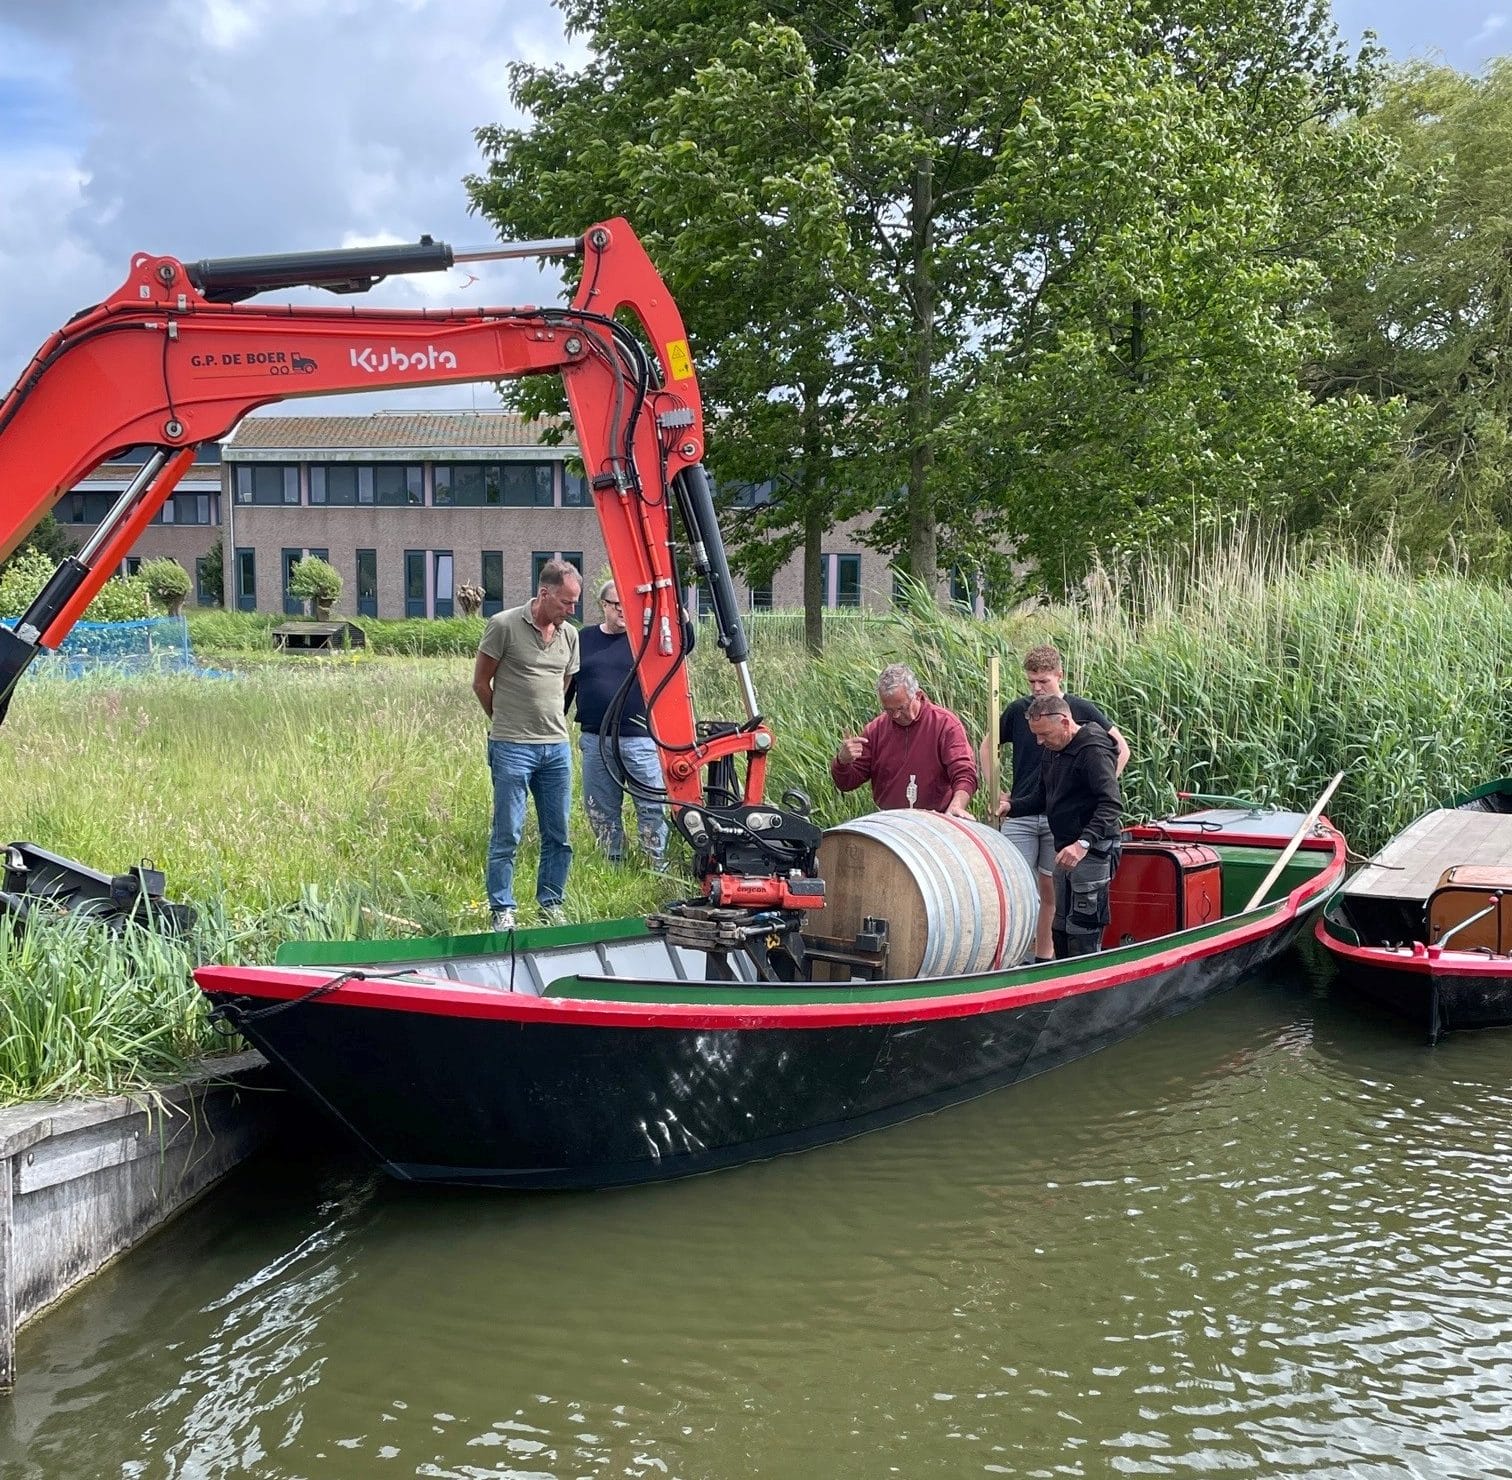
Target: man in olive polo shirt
x=524, y=661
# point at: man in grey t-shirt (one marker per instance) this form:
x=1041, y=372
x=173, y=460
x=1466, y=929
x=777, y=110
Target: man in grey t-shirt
x=524, y=662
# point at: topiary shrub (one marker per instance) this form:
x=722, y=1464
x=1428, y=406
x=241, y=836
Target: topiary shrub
x=168, y=583
x=318, y=582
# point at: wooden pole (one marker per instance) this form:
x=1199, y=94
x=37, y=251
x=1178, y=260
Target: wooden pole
x=994, y=710
x=1291, y=847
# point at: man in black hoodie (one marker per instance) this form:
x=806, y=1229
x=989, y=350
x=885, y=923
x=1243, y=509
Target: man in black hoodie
x=1078, y=793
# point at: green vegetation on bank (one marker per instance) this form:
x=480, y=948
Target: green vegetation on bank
x=213, y=631
x=348, y=796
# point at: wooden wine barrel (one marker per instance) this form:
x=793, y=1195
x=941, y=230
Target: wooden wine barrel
x=956, y=895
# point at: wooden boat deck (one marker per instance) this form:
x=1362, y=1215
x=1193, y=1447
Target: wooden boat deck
x=1411, y=864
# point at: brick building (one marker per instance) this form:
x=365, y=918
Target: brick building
x=407, y=506
x=185, y=529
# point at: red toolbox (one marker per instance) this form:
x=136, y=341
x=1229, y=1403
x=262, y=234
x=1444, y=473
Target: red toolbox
x=1162, y=887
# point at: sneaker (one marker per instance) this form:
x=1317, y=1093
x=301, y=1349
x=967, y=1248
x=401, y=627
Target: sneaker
x=553, y=914
x=503, y=920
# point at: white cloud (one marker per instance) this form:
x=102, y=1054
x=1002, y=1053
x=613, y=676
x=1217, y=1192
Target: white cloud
x=267, y=127
x=1489, y=27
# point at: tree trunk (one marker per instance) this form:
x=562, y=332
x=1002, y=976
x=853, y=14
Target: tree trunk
x=923, y=553
x=813, y=579
x=815, y=523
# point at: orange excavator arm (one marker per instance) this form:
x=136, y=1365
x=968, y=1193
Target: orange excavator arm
x=176, y=357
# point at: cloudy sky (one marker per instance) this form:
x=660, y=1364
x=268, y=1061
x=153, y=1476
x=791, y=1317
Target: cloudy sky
x=203, y=128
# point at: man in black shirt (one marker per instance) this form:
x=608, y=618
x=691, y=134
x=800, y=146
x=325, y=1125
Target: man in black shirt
x=1029, y=832
x=1077, y=790
x=605, y=660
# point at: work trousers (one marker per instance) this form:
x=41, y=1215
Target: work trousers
x=1081, y=903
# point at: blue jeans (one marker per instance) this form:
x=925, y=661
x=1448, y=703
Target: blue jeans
x=605, y=799
x=545, y=771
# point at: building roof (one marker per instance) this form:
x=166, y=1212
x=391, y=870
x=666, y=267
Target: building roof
x=394, y=433
x=112, y=477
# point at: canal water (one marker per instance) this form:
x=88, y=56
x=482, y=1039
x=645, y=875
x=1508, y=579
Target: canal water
x=1270, y=1238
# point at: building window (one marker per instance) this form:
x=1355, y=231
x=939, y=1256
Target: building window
x=761, y=596
x=848, y=580
x=246, y=580
x=206, y=593
x=387, y=485
x=443, y=574
x=464, y=485
x=539, y=560
x=189, y=508
x=752, y=495
x=267, y=483
x=395, y=485
x=367, y=583
x=333, y=483
x=88, y=508
x=133, y=564
x=493, y=582
x=512, y=485
x=574, y=491
x=292, y=605
x=414, y=583
x=839, y=580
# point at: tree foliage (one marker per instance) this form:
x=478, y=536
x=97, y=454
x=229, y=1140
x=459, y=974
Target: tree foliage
x=48, y=538
x=120, y=599
x=1432, y=326
x=1004, y=274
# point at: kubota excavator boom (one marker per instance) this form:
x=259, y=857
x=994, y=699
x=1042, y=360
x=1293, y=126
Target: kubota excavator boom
x=176, y=357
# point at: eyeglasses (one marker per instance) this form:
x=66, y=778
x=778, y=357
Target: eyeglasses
x=618, y=605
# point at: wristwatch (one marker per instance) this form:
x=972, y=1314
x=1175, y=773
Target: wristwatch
x=1086, y=843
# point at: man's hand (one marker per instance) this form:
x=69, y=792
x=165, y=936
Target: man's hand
x=852, y=748
x=959, y=806
x=1071, y=855
x=1005, y=803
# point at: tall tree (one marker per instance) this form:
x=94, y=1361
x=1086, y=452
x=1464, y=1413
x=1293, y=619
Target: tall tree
x=1432, y=328
x=1016, y=271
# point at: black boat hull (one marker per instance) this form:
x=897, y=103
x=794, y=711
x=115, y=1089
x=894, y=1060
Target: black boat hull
x=561, y=1104
x=1457, y=991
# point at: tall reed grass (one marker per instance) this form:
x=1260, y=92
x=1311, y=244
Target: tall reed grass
x=349, y=796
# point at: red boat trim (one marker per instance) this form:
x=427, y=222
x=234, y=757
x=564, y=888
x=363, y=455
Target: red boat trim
x=451, y=999
x=997, y=883
x=1160, y=832
x=1402, y=959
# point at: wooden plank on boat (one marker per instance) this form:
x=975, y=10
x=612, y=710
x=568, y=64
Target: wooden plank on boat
x=1411, y=864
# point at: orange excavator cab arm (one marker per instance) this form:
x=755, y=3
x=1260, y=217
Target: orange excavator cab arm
x=177, y=356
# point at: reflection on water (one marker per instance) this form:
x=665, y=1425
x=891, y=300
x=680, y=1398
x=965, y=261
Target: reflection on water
x=1270, y=1238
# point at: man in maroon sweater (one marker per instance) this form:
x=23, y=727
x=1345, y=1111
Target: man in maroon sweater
x=915, y=754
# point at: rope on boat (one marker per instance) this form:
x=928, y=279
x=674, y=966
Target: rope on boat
x=230, y=1017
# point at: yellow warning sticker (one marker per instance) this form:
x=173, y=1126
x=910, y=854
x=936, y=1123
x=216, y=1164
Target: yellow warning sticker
x=679, y=361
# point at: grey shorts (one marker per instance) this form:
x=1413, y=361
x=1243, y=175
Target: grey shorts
x=1031, y=836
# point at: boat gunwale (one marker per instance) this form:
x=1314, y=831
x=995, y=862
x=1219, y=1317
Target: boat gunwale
x=1451, y=961
x=441, y=997
x=1443, y=962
